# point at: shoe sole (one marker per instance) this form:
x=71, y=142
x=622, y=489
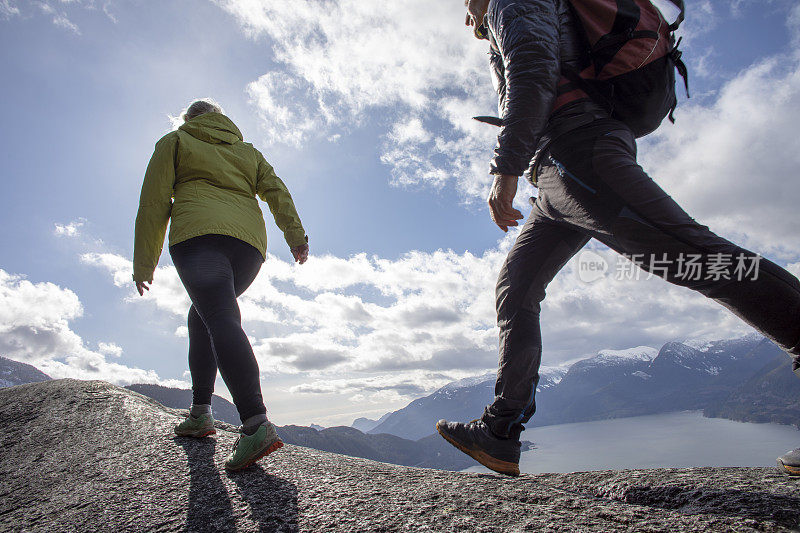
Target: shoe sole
x=789, y=470
x=198, y=435
x=268, y=450
x=501, y=467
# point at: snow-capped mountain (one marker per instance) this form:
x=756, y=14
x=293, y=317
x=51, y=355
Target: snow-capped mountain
x=704, y=344
x=615, y=357
x=418, y=419
x=467, y=382
x=460, y=400
x=610, y=384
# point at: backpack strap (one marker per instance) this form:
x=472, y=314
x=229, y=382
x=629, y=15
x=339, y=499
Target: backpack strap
x=675, y=55
x=680, y=66
x=681, y=15
x=590, y=89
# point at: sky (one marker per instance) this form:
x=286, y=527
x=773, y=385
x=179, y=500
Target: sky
x=364, y=109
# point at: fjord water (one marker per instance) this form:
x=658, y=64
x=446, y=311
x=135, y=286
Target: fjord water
x=683, y=439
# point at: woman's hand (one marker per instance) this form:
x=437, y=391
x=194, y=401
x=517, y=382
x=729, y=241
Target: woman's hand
x=141, y=286
x=300, y=253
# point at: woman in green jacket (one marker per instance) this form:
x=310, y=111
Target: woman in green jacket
x=205, y=179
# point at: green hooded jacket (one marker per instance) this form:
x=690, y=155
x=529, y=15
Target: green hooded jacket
x=213, y=177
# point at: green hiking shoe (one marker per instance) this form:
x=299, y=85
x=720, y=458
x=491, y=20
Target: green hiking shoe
x=250, y=448
x=201, y=426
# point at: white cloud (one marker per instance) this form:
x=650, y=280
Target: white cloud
x=59, y=18
x=320, y=318
x=354, y=325
x=8, y=9
x=71, y=229
x=340, y=59
x=427, y=76
x=411, y=130
x=377, y=390
x=363, y=54
x=109, y=348
x=35, y=328
x=170, y=296
x=279, y=101
x=793, y=21
x=59, y=11
x=734, y=164
x=108, y=13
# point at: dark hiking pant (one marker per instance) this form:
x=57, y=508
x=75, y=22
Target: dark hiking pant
x=216, y=269
x=591, y=186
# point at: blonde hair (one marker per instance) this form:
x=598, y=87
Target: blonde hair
x=201, y=107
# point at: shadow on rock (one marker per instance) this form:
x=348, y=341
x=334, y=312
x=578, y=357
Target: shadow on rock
x=761, y=506
x=272, y=500
x=210, y=506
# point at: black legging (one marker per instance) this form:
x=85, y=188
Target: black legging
x=215, y=269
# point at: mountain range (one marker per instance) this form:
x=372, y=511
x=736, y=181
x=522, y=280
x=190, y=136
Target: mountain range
x=430, y=452
x=746, y=379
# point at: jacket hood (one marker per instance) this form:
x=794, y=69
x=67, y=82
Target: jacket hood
x=214, y=128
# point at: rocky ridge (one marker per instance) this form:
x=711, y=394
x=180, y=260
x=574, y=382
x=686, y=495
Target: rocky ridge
x=16, y=373
x=430, y=452
x=89, y=456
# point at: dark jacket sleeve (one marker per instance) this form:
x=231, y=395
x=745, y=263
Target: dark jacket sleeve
x=498, y=78
x=527, y=36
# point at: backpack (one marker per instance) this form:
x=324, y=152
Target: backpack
x=632, y=59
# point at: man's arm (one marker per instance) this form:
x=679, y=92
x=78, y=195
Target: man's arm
x=498, y=78
x=526, y=34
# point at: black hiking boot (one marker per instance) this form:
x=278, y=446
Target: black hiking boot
x=789, y=463
x=476, y=440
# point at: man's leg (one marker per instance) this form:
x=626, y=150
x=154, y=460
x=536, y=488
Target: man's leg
x=603, y=190
x=540, y=252
x=653, y=230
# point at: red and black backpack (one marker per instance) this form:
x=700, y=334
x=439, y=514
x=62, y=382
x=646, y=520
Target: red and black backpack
x=632, y=58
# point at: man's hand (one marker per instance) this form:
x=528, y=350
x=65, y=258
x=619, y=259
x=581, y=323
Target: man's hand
x=141, y=286
x=476, y=10
x=501, y=200
x=300, y=253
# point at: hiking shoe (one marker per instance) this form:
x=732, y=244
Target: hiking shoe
x=201, y=426
x=475, y=439
x=250, y=448
x=789, y=462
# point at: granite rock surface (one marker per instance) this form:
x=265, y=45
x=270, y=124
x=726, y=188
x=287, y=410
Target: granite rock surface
x=89, y=456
